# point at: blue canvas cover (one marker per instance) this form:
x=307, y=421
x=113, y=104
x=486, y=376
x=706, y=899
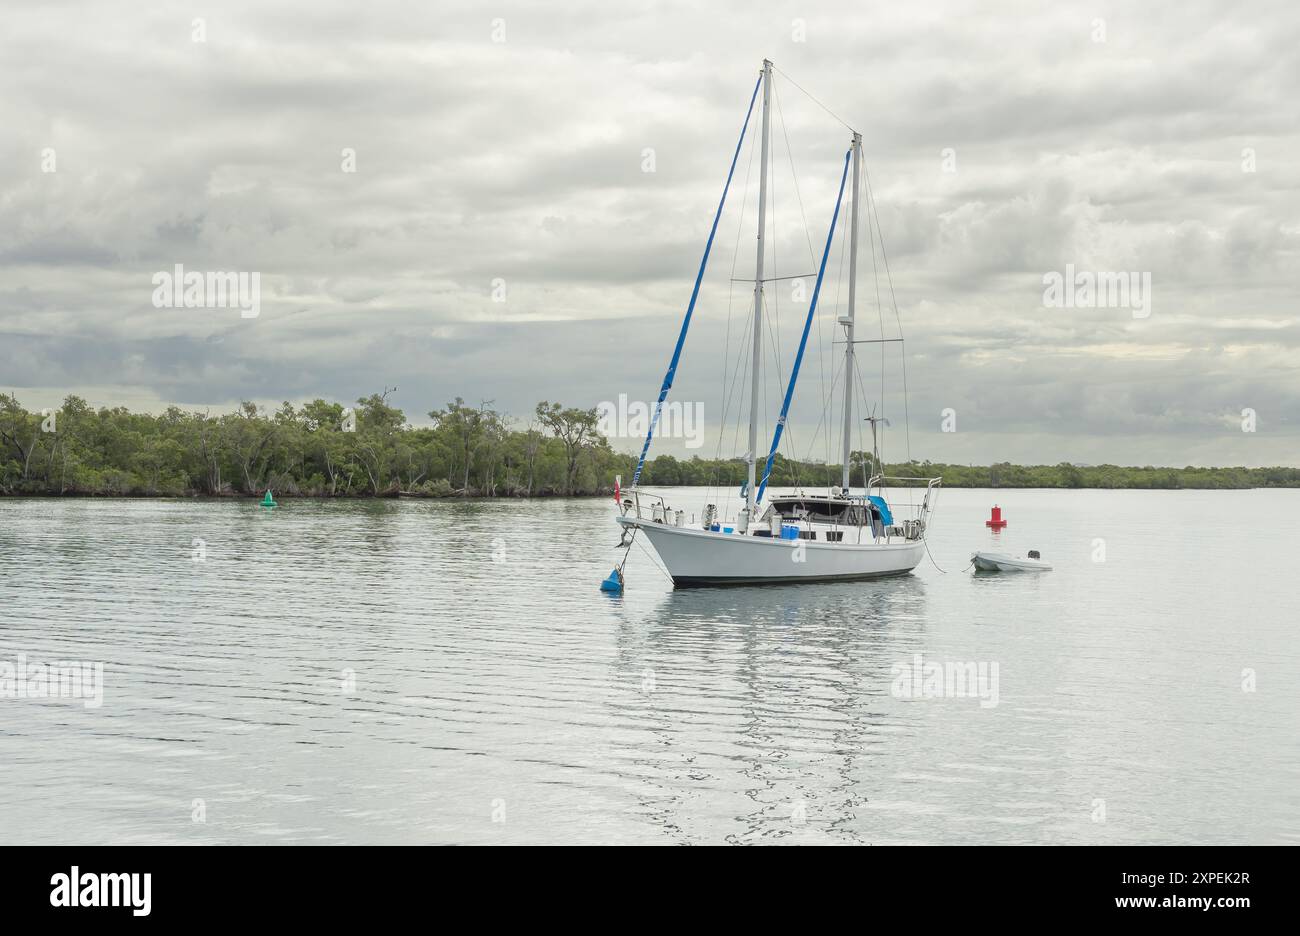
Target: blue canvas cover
x=885, y=515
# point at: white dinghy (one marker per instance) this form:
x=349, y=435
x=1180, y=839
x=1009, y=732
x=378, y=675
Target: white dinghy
x=1001, y=562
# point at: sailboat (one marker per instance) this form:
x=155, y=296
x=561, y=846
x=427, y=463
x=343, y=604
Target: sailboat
x=799, y=537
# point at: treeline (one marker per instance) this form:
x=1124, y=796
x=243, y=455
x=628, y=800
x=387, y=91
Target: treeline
x=324, y=449
x=318, y=449
x=666, y=470
x=1066, y=475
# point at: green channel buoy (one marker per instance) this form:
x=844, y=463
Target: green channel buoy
x=268, y=500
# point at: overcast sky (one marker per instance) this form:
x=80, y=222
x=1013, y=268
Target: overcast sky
x=504, y=142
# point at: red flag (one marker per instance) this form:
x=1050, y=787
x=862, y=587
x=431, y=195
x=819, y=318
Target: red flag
x=617, y=479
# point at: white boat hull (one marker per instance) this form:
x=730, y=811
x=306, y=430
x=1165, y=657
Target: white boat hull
x=1001, y=562
x=699, y=557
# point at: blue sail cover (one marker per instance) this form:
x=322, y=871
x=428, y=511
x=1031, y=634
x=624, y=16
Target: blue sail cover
x=690, y=308
x=803, y=340
x=885, y=514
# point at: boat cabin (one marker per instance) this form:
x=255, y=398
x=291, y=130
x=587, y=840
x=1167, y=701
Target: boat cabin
x=835, y=509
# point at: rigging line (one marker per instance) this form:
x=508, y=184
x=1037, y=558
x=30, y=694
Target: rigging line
x=813, y=99
x=662, y=572
x=889, y=277
x=695, y=291
x=812, y=257
x=925, y=536
x=828, y=401
x=834, y=383
x=821, y=382
x=728, y=398
x=775, y=351
x=861, y=440
x=880, y=313
x=780, y=384
x=773, y=320
x=731, y=289
x=817, y=432
x=924, y=540
x=635, y=531
x=774, y=333
x=857, y=373
x=879, y=437
x=803, y=215
x=729, y=395
x=726, y=359
x=731, y=294
x=715, y=481
x=726, y=395
x=742, y=368
x=774, y=347
x=839, y=291
x=803, y=340
x=716, y=488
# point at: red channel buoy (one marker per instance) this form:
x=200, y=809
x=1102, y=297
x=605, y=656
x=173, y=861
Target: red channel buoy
x=995, y=520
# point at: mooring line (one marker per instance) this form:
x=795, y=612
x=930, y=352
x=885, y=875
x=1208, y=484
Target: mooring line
x=662, y=572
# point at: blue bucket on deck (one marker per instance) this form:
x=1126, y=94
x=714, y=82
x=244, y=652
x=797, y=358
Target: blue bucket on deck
x=789, y=532
x=715, y=528
x=728, y=529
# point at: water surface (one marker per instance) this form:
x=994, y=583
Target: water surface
x=438, y=671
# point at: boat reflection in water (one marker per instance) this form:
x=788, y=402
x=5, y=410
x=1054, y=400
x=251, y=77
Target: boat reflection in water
x=771, y=705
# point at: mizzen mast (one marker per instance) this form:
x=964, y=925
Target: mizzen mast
x=847, y=319
x=751, y=488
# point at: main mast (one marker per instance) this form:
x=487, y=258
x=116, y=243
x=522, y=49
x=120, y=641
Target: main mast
x=751, y=489
x=847, y=321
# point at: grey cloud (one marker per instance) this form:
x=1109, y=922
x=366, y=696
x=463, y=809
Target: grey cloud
x=522, y=160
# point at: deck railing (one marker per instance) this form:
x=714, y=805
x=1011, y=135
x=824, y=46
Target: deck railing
x=909, y=519
x=646, y=506
x=911, y=513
